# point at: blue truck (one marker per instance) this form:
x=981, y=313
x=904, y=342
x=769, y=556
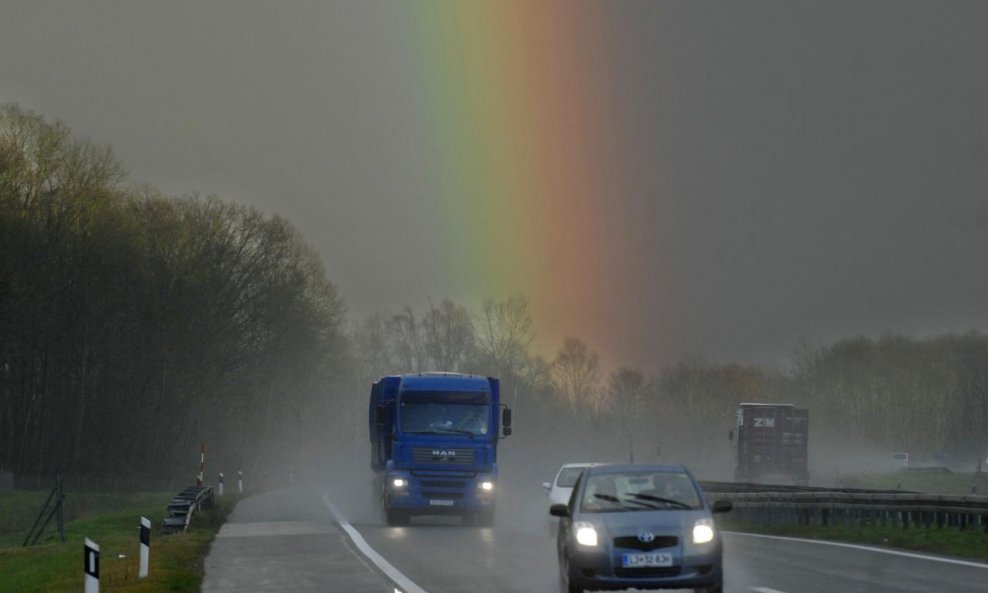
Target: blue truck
x=434, y=443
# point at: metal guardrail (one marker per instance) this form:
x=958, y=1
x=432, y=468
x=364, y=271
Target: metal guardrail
x=859, y=507
x=185, y=504
x=723, y=487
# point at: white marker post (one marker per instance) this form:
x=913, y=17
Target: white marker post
x=240, y=480
x=145, y=547
x=202, y=464
x=221, y=484
x=91, y=566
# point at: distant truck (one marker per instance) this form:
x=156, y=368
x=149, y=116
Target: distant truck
x=771, y=444
x=434, y=443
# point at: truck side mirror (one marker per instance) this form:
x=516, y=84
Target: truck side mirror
x=730, y=435
x=381, y=424
x=506, y=422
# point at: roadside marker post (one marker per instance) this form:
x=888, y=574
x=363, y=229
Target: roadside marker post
x=240, y=481
x=221, y=484
x=145, y=547
x=91, y=566
x=202, y=464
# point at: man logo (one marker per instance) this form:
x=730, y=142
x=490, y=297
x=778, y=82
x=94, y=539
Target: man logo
x=443, y=454
x=646, y=537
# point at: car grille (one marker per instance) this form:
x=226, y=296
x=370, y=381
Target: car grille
x=647, y=572
x=632, y=542
x=459, y=457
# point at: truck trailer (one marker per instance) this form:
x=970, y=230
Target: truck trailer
x=771, y=444
x=434, y=440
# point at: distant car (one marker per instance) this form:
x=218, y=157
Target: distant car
x=638, y=527
x=561, y=487
x=900, y=460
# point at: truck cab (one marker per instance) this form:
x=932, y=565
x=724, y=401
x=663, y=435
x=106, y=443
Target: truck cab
x=434, y=440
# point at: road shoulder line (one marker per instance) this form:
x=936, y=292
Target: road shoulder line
x=403, y=582
x=861, y=547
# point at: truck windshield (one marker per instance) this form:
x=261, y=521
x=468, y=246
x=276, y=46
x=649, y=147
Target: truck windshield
x=426, y=412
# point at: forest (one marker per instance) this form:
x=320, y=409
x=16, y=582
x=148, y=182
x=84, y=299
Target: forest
x=135, y=326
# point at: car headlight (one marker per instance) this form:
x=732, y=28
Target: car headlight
x=486, y=485
x=586, y=535
x=703, y=531
x=399, y=482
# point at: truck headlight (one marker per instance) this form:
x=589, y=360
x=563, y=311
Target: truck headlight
x=586, y=535
x=486, y=485
x=703, y=531
x=399, y=482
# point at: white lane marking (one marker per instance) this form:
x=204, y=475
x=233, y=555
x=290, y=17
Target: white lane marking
x=766, y=590
x=386, y=567
x=860, y=547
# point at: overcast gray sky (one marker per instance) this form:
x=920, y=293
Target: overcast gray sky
x=797, y=171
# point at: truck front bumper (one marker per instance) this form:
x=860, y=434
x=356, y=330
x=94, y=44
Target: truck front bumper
x=436, y=493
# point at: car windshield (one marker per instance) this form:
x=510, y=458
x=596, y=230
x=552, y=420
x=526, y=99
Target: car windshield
x=639, y=491
x=568, y=476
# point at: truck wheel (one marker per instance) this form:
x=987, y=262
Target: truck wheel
x=396, y=517
x=718, y=588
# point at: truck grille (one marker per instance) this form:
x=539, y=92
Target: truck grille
x=444, y=455
x=456, y=485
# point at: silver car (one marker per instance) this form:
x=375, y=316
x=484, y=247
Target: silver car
x=638, y=527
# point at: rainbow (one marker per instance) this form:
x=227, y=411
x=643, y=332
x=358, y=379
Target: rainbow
x=525, y=150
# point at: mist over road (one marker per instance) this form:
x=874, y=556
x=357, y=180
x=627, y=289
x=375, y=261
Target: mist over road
x=288, y=540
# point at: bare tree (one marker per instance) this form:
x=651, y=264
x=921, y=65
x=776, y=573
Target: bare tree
x=577, y=372
x=407, y=348
x=626, y=388
x=449, y=337
x=504, y=334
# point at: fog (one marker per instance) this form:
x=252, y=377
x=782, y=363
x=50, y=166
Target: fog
x=769, y=172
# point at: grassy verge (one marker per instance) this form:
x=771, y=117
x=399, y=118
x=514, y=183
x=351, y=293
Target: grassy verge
x=176, y=562
x=971, y=544
x=958, y=484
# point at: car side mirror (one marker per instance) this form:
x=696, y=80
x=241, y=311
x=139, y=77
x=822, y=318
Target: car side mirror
x=722, y=506
x=559, y=510
x=547, y=485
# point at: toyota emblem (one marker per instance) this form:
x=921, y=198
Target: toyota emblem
x=646, y=537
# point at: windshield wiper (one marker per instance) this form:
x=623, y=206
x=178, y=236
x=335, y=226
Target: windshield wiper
x=442, y=431
x=651, y=498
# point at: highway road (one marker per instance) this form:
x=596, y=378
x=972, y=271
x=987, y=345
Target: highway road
x=517, y=555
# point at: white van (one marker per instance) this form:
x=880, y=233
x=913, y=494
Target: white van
x=900, y=460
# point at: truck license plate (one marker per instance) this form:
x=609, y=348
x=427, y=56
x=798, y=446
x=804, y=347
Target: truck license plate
x=653, y=559
x=440, y=503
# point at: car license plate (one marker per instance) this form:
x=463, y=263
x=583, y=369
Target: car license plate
x=440, y=503
x=653, y=559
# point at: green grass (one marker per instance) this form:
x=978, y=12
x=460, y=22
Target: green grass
x=953, y=483
x=951, y=542
x=112, y=521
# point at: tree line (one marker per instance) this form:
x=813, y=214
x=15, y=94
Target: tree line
x=890, y=393
x=135, y=325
